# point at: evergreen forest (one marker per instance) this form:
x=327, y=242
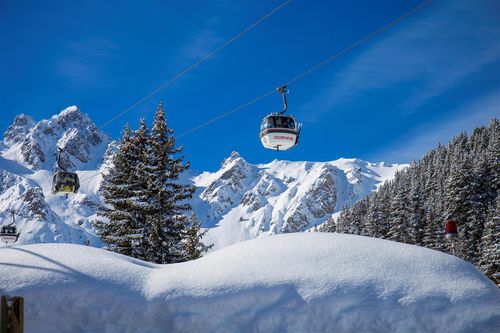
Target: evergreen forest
x=458, y=182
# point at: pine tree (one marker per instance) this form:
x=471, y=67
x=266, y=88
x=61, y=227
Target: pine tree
x=194, y=246
x=120, y=231
x=166, y=197
x=493, y=155
x=329, y=226
x=357, y=218
x=415, y=210
x=343, y=221
x=385, y=205
x=489, y=261
x=374, y=218
x=463, y=207
x=146, y=204
x=399, y=216
x=140, y=183
x=433, y=234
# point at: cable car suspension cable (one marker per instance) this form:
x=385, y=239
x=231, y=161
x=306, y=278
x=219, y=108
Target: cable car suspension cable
x=196, y=64
x=312, y=69
x=191, y=67
x=293, y=80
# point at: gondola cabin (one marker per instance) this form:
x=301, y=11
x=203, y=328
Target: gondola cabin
x=8, y=234
x=65, y=182
x=279, y=132
x=450, y=229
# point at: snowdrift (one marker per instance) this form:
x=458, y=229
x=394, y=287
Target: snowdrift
x=307, y=282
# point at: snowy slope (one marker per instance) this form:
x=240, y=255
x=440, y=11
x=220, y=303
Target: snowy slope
x=302, y=282
x=240, y=201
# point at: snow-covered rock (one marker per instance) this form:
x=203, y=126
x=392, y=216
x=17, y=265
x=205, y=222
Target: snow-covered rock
x=35, y=145
x=27, y=161
x=19, y=129
x=302, y=282
x=227, y=189
x=242, y=201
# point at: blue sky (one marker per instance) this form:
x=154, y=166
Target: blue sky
x=433, y=75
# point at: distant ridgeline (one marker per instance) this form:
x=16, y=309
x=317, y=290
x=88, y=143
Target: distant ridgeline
x=459, y=182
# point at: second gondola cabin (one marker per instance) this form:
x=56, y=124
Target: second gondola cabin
x=65, y=182
x=8, y=234
x=279, y=132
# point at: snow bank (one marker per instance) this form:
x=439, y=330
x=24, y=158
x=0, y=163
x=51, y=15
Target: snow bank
x=295, y=282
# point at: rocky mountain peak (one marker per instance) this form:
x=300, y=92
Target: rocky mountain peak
x=234, y=177
x=234, y=157
x=18, y=130
x=70, y=130
x=72, y=117
x=23, y=120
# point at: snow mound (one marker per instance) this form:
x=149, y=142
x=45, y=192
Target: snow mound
x=295, y=282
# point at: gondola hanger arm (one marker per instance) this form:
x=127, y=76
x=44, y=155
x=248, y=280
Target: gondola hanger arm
x=282, y=89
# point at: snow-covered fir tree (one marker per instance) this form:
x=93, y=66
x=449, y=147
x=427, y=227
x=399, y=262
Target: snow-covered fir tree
x=194, y=246
x=416, y=210
x=433, y=233
x=376, y=217
x=489, y=261
x=329, y=226
x=343, y=221
x=143, y=193
x=399, y=214
x=121, y=231
x=166, y=197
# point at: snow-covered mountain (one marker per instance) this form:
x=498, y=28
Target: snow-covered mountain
x=240, y=201
x=27, y=161
x=34, y=145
